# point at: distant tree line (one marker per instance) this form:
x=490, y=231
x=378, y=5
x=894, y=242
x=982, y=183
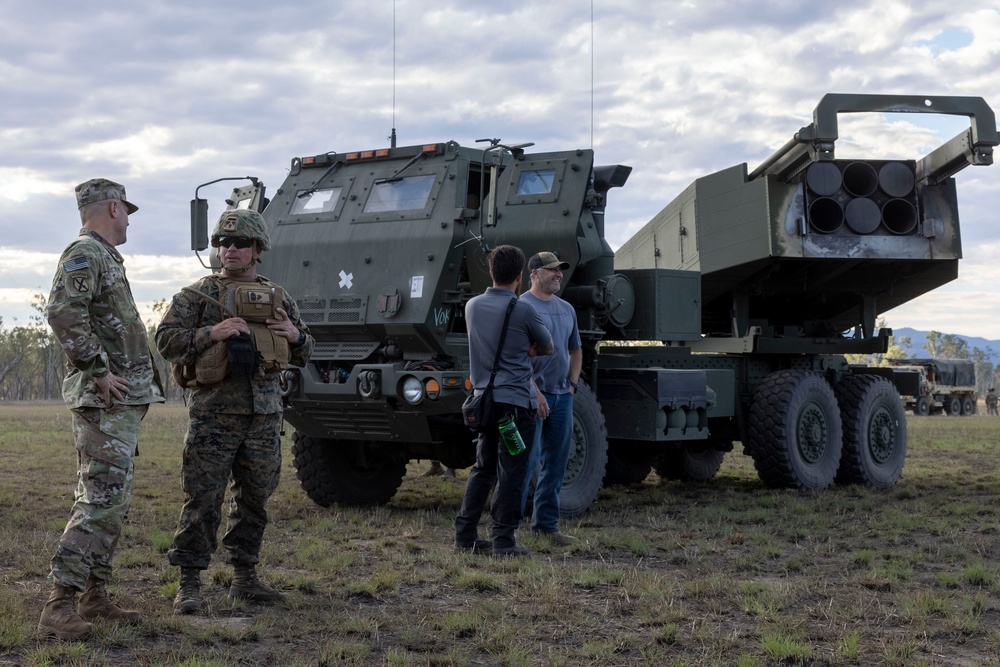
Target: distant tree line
x=32, y=363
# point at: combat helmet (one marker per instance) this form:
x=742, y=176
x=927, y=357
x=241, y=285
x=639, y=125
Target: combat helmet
x=242, y=222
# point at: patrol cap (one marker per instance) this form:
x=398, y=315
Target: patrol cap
x=546, y=260
x=101, y=189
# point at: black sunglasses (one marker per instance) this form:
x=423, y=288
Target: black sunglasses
x=240, y=242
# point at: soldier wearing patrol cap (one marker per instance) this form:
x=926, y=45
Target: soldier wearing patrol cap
x=238, y=330
x=109, y=386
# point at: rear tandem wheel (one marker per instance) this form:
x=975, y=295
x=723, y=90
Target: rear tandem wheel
x=795, y=433
x=874, y=431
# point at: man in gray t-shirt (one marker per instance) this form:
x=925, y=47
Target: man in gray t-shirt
x=512, y=394
x=555, y=378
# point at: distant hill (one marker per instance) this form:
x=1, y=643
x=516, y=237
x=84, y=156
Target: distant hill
x=919, y=338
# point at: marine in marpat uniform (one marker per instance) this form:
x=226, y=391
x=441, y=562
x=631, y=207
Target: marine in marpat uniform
x=109, y=386
x=229, y=335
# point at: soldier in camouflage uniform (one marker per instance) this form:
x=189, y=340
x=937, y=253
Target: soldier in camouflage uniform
x=109, y=386
x=235, y=424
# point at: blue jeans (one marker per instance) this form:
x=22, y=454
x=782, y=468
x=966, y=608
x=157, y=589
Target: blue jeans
x=549, y=455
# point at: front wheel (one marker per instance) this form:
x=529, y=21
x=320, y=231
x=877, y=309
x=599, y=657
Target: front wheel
x=588, y=455
x=922, y=407
x=346, y=471
x=795, y=433
x=874, y=431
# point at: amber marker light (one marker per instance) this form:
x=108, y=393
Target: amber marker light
x=432, y=388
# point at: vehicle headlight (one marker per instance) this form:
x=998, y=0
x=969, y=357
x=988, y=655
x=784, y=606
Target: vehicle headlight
x=413, y=390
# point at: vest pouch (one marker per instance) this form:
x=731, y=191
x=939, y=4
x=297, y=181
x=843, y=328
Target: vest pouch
x=212, y=365
x=254, y=302
x=184, y=376
x=274, y=349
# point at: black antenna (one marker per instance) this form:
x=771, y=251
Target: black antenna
x=591, y=74
x=392, y=137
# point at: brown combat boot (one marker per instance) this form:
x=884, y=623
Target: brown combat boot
x=246, y=586
x=59, y=617
x=95, y=603
x=188, y=598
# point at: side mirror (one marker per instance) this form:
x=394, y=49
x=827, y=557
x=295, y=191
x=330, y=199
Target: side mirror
x=199, y=224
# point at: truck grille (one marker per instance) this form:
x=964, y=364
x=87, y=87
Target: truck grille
x=348, y=351
x=336, y=310
x=356, y=423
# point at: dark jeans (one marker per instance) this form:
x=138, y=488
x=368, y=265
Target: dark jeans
x=496, y=467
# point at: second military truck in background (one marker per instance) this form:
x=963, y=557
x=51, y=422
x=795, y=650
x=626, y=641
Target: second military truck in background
x=724, y=320
x=943, y=386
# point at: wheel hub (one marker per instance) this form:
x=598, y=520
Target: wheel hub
x=812, y=433
x=881, y=436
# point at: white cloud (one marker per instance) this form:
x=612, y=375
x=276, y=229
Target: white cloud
x=186, y=93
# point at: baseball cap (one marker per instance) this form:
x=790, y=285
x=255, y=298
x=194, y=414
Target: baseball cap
x=101, y=189
x=546, y=260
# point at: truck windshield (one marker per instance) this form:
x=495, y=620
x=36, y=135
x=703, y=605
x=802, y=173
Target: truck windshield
x=536, y=182
x=404, y=194
x=315, y=201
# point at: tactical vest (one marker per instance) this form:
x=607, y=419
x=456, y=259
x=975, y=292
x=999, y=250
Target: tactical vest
x=255, y=303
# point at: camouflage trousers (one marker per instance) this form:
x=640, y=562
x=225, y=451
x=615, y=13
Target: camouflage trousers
x=106, y=442
x=245, y=449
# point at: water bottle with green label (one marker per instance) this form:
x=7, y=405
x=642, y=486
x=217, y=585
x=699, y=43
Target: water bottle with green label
x=511, y=438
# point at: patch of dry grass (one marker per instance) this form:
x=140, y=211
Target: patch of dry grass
x=724, y=573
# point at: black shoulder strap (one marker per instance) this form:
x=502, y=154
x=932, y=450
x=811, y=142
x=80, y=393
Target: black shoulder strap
x=503, y=335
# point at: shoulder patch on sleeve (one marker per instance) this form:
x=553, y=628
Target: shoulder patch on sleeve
x=75, y=264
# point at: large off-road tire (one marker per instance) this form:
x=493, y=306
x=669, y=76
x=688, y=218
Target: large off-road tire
x=329, y=471
x=588, y=455
x=922, y=407
x=874, y=431
x=695, y=462
x=953, y=406
x=629, y=462
x=968, y=406
x=795, y=434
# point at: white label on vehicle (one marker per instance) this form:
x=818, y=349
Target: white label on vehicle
x=416, y=287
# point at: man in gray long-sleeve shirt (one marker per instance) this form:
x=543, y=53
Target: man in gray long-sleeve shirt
x=512, y=393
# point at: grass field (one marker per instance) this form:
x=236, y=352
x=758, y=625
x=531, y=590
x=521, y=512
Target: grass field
x=724, y=573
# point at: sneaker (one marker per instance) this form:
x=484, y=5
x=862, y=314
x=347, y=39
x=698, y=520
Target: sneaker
x=562, y=539
x=515, y=551
x=477, y=546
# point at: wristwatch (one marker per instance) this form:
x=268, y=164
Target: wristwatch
x=302, y=338
x=576, y=386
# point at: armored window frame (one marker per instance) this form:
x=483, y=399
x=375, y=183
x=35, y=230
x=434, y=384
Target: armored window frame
x=302, y=198
x=430, y=182
x=344, y=184
x=522, y=169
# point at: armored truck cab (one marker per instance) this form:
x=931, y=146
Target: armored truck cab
x=382, y=249
x=724, y=320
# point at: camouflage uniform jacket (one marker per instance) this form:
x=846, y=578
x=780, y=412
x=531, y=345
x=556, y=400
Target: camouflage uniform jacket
x=185, y=332
x=93, y=315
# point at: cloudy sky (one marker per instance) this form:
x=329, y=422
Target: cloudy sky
x=165, y=96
